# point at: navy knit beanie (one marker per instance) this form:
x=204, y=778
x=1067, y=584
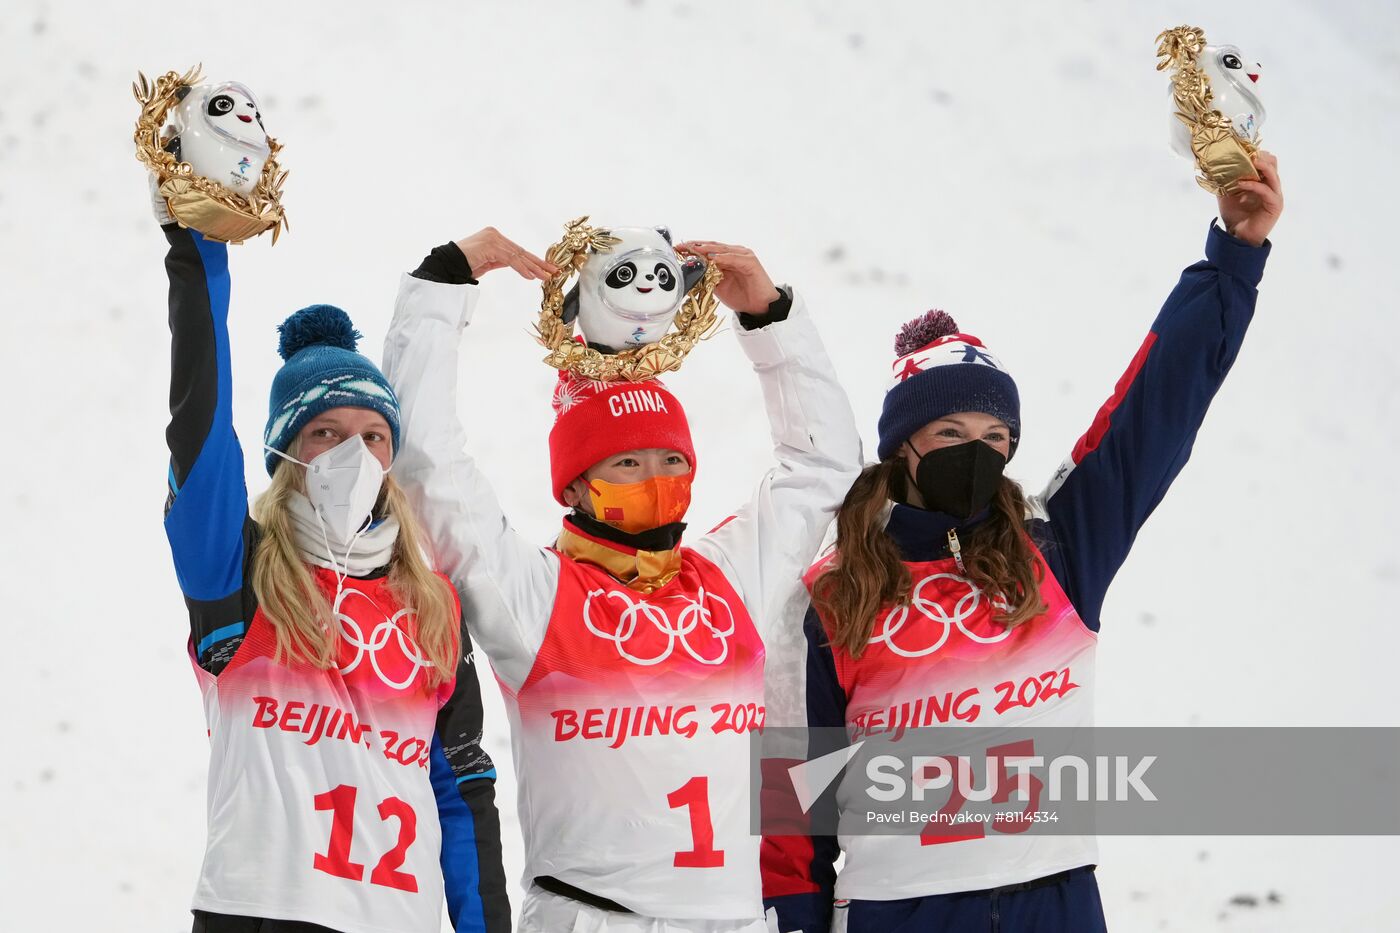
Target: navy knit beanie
x=939, y=372
x=322, y=372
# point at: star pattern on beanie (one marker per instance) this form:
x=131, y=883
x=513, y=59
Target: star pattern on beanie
x=955, y=348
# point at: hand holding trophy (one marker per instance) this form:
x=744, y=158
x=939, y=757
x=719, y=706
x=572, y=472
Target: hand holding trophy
x=215, y=166
x=632, y=287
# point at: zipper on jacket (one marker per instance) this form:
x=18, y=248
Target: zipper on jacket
x=956, y=547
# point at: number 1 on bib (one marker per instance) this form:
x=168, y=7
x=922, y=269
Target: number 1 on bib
x=695, y=794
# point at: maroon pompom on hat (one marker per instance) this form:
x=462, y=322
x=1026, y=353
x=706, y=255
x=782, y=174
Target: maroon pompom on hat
x=924, y=330
x=595, y=420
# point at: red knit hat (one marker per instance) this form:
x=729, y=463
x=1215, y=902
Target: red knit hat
x=594, y=420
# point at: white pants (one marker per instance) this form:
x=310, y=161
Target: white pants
x=544, y=912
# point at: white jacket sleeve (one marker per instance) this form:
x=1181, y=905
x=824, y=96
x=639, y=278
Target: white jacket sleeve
x=507, y=583
x=768, y=545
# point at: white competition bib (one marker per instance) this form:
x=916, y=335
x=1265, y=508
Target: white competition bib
x=320, y=804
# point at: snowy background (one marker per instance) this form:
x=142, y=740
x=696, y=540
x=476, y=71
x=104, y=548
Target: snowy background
x=1006, y=162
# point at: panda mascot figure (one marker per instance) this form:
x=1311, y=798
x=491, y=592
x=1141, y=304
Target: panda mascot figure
x=219, y=132
x=214, y=168
x=628, y=295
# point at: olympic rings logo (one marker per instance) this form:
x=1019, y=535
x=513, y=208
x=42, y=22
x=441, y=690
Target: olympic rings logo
x=963, y=609
x=354, y=636
x=692, y=615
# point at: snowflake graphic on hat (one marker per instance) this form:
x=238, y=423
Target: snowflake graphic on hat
x=570, y=392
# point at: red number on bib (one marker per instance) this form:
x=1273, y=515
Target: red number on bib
x=941, y=829
x=1032, y=785
x=937, y=832
x=336, y=861
x=386, y=872
x=695, y=794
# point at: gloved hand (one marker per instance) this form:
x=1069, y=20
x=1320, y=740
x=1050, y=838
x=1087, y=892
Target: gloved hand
x=158, y=206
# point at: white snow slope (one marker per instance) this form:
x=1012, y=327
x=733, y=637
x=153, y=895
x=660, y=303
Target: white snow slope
x=1006, y=162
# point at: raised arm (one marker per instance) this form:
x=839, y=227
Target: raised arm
x=770, y=542
x=206, y=512
x=507, y=582
x=1142, y=436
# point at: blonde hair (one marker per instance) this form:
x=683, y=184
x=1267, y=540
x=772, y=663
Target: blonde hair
x=867, y=573
x=300, y=611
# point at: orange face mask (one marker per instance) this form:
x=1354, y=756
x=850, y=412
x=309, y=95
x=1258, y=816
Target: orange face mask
x=636, y=507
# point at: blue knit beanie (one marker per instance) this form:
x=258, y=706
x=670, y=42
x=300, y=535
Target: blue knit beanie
x=322, y=372
x=939, y=372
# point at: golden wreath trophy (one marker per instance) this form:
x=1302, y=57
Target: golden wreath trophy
x=215, y=165
x=642, y=306
x=1217, y=113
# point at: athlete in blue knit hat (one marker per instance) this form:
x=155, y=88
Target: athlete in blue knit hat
x=347, y=786
x=953, y=599
x=323, y=372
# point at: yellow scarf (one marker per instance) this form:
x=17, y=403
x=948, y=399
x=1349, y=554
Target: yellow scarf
x=643, y=571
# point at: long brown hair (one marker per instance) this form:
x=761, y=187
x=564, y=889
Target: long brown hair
x=300, y=612
x=867, y=573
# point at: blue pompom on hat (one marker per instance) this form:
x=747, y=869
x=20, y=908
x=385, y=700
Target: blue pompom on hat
x=940, y=371
x=322, y=371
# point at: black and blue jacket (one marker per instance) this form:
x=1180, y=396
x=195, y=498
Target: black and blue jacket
x=213, y=540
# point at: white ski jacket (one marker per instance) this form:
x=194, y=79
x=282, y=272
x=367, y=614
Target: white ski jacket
x=630, y=713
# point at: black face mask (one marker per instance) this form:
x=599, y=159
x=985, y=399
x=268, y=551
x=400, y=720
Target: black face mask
x=960, y=480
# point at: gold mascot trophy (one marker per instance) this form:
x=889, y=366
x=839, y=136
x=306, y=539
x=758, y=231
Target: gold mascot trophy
x=1217, y=112
x=632, y=288
x=215, y=166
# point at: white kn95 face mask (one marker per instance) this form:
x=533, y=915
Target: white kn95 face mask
x=342, y=484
